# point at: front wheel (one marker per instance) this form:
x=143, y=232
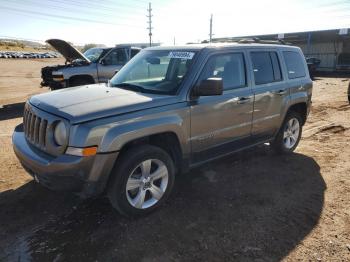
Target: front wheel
x=289, y=134
x=142, y=180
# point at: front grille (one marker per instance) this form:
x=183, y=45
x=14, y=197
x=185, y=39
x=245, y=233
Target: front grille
x=39, y=128
x=35, y=128
x=46, y=73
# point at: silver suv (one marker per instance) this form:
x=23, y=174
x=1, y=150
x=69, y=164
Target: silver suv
x=96, y=65
x=167, y=110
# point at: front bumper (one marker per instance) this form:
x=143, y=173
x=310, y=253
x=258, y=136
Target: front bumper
x=86, y=176
x=54, y=84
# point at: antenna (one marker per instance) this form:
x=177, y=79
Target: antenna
x=150, y=23
x=211, y=28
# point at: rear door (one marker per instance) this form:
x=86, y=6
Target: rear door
x=219, y=124
x=111, y=64
x=271, y=93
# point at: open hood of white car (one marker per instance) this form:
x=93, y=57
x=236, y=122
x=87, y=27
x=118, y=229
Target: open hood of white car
x=69, y=52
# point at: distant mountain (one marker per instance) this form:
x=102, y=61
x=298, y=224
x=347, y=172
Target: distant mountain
x=24, y=42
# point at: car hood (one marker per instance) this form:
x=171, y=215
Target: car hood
x=86, y=103
x=69, y=52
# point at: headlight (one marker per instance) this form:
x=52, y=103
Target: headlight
x=60, y=134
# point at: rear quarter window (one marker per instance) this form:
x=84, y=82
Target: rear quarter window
x=295, y=64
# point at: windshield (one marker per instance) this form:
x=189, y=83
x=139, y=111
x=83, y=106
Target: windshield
x=93, y=54
x=153, y=71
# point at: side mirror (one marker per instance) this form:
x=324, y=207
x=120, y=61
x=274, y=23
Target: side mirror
x=209, y=87
x=102, y=62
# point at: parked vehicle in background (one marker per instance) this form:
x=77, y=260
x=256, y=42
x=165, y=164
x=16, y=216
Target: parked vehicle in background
x=167, y=110
x=96, y=65
x=20, y=54
x=313, y=63
x=343, y=63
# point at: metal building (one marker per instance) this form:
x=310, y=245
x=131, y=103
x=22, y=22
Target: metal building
x=332, y=47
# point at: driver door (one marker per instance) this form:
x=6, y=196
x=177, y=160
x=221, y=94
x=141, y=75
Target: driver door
x=221, y=124
x=111, y=63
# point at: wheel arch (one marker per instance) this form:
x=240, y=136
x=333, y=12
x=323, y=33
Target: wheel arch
x=87, y=77
x=168, y=141
x=300, y=108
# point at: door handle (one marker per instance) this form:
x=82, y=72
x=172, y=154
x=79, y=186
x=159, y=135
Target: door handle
x=243, y=100
x=279, y=92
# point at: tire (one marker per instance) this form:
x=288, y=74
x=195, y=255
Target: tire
x=280, y=144
x=128, y=172
x=79, y=82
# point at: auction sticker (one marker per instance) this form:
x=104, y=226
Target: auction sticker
x=181, y=55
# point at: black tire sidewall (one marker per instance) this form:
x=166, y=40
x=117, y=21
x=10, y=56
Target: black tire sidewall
x=278, y=144
x=128, y=162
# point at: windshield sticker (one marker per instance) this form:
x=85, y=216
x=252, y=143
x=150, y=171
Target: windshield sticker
x=182, y=55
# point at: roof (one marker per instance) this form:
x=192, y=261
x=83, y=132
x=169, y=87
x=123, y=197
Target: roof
x=217, y=45
x=295, y=37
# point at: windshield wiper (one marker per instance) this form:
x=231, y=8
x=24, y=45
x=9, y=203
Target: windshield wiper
x=129, y=86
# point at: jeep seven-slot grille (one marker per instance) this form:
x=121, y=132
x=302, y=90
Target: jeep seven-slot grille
x=35, y=128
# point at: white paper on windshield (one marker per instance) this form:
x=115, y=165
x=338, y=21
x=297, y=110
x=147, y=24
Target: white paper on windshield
x=180, y=54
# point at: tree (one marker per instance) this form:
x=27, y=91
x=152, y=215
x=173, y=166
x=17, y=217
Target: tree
x=88, y=46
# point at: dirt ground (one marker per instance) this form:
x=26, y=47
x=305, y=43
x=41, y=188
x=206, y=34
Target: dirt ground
x=252, y=206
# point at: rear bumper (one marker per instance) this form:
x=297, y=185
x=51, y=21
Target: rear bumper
x=86, y=176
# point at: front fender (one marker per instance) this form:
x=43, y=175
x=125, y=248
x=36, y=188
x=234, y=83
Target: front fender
x=89, y=70
x=118, y=136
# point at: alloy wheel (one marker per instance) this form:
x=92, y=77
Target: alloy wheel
x=291, y=133
x=147, y=183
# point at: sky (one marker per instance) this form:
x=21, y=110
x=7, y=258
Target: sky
x=113, y=22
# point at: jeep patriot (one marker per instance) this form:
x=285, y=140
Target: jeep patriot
x=167, y=110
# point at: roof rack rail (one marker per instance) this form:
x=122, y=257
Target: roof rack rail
x=258, y=40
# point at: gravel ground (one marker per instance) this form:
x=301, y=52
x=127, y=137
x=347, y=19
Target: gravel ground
x=251, y=206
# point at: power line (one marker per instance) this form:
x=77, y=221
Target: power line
x=76, y=9
x=66, y=17
x=92, y=6
x=111, y=2
x=113, y=5
x=150, y=23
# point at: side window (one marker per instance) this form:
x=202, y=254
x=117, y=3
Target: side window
x=266, y=67
x=116, y=57
x=294, y=63
x=229, y=67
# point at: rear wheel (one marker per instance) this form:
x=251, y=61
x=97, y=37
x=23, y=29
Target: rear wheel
x=142, y=180
x=289, y=134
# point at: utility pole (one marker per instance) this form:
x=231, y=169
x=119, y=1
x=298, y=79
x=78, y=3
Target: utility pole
x=150, y=23
x=211, y=28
